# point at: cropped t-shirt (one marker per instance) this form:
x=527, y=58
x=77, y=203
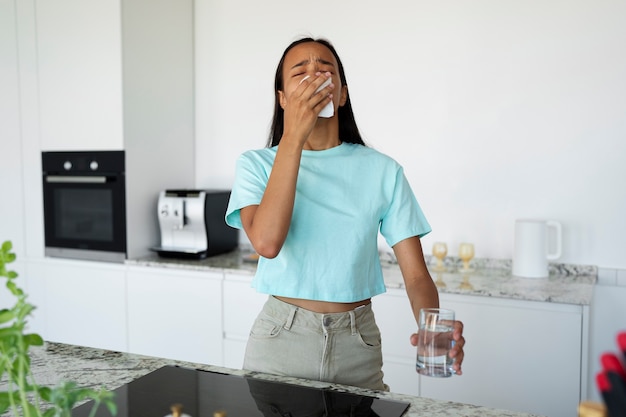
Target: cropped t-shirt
x=344, y=196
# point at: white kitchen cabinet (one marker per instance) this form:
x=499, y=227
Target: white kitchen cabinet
x=520, y=355
x=242, y=304
x=80, y=303
x=175, y=314
x=80, y=74
x=115, y=74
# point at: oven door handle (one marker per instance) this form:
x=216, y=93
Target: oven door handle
x=76, y=179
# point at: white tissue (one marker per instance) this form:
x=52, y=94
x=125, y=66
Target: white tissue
x=329, y=109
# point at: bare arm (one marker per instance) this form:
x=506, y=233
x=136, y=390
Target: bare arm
x=422, y=291
x=267, y=224
x=419, y=285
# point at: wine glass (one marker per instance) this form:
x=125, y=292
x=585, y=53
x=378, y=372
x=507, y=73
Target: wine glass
x=440, y=250
x=466, y=253
x=466, y=284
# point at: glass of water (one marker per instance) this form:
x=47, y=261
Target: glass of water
x=434, y=342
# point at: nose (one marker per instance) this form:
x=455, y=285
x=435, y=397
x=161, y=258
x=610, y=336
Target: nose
x=313, y=65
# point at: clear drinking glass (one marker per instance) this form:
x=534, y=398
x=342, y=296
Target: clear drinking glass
x=434, y=342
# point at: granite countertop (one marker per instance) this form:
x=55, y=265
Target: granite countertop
x=55, y=362
x=567, y=284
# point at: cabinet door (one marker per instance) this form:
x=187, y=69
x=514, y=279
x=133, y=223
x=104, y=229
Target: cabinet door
x=396, y=322
x=241, y=306
x=80, y=303
x=80, y=74
x=175, y=314
x=521, y=356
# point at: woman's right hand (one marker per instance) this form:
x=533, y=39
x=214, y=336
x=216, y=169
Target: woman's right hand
x=302, y=104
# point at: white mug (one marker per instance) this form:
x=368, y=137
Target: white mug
x=530, y=255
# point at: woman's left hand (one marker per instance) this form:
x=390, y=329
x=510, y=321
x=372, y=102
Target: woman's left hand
x=456, y=352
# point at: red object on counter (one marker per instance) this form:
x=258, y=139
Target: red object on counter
x=610, y=362
x=614, y=400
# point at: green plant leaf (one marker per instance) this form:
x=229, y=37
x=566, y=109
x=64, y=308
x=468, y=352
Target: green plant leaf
x=7, y=246
x=33, y=339
x=24, y=310
x=44, y=392
x=32, y=410
x=5, y=401
x=49, y=413
x=9, y=257
x=15, y=290
x=111, y=405
x=8, y=332
x=64, y=396
x=6, y=315
x=108, y=398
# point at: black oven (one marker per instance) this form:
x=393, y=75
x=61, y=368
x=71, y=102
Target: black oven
x=84, y=199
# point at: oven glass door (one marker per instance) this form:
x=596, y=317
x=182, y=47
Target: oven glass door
x=85, y=213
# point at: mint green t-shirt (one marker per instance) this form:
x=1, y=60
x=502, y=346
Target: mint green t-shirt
x=344, y=196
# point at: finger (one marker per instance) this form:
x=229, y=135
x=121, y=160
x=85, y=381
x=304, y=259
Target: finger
x=313, y=84
x=457, y=354
x=458, y=330
x=458, y=346
x=322, y=103
x=323, y=91
x=457, y=369
x=413, y=339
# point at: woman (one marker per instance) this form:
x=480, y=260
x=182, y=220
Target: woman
x=311, y=204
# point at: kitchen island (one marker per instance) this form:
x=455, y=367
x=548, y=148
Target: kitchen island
x=55, y=362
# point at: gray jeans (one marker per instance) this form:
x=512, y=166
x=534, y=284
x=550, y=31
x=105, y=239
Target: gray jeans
x=343, y=348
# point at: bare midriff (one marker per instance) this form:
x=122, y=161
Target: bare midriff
x=323, y=306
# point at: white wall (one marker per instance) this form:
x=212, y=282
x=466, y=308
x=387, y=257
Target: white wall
x=497, y=109
x=10, y=144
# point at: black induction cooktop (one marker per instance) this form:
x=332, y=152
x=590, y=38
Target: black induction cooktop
x=202, y=393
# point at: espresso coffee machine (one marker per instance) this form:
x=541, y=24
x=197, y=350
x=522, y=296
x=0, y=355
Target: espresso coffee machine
x=192, y=224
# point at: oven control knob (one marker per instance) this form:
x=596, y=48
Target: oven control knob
x=67, y=165
x=93, y=165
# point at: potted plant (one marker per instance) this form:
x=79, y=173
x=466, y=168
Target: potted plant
x=22, y=396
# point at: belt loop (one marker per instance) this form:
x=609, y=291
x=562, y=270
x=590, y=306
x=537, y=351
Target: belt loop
x=290, y=317
x=352, y=322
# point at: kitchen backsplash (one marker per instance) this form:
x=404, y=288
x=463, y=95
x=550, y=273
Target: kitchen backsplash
x=454, y=262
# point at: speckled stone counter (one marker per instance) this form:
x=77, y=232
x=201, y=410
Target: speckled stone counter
x=567, y=284
x=95, y=368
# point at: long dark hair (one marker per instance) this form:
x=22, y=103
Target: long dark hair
x=348, y=130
